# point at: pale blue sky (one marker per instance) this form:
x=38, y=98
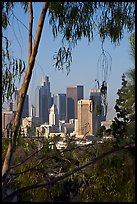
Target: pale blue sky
x=83, y=70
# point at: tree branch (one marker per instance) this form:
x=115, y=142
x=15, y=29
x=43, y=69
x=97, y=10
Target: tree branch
x=30, y=30
x=42, y=160
x=53, y=181
x=26, y=159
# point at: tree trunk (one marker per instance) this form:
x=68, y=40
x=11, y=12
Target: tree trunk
x=30, y=30
x=22, y=93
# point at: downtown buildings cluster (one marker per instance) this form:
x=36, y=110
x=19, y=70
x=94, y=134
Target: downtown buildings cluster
x=64, y=114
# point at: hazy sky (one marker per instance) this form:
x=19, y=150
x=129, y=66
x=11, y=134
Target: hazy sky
x=83, y=70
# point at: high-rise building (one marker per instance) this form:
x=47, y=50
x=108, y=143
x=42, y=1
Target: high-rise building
x=60, y=101
x=37, y=101
x=90, y=113
x=85, y=117
x=98, y=108
x=25, y=109
x=43, y=99
x=73, y=94
x=53, y=116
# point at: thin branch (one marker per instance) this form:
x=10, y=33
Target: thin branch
x=16, y=36
x=73, y=148
x=20, y=21
x=26, y=159
x=30, y=169
x=53, y=181
x=42, y=160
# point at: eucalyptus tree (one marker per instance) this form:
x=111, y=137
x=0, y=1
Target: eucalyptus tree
x=74, y=20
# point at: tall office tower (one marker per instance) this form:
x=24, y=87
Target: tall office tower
x=46, y=84
x=74, y=93
x=37, y=101
x=53, y=116
x=60, y=101
x=43, y=99
x=25, y=110
x=98, y=109
x=85, y=117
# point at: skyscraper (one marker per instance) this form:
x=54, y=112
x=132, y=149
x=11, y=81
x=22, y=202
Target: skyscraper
x=53, y=116
x=25, y=110
x=85, y=117
x=60, y=101
x=74, y=93
x=43, y=99
x=37, y=101
x=98, y=108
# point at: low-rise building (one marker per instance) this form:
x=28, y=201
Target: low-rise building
x=29, y=125
x=46, y=130
x=106, y=124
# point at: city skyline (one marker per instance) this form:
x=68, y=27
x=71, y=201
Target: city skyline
x=83, y=69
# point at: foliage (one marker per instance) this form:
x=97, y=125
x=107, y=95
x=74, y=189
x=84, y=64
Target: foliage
x=100, y=131
x=75, y=20
x=111, y=179
x=125, y=113
x=108, y=132
x=6, y=11
x=63, y=57
x=132, y=45
x=124, y=124
x=80, y=19
x=12, y=68
x=106, y=183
